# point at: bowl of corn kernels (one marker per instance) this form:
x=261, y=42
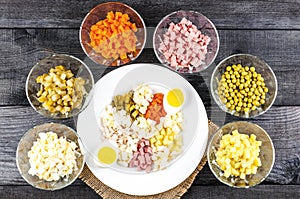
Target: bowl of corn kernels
x=112, y=34
x=59, y=86
x=241, y=154
x=243, y=85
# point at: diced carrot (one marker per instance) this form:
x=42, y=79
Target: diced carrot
x=114, y=36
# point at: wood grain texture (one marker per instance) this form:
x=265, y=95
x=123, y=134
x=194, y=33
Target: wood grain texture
x=31, y=30
x=195, y=192
x=233, y=14
x=16, y=120
x=263, y=191
x=22, y=48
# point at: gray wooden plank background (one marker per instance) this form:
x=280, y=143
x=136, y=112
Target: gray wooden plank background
x=31, y=30
x=22, y=48
x=232, y=14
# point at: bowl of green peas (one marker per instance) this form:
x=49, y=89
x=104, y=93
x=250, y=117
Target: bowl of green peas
x=243, y=85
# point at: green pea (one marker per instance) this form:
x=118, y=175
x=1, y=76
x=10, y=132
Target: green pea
x=246, y=110
x=266, y=89
x=254, y=74
x=258, y=83
x=255, y=103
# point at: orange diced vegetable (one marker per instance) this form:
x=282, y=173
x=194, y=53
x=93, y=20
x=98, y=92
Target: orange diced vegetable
x=114, y=36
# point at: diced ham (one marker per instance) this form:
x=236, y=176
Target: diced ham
x=172, y=35
x=142, y=156
x=183, y=21
x=184, y=46
x=148, y=168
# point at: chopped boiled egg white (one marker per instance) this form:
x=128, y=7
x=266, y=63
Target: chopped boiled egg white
x=52, y=158
x=173, y=100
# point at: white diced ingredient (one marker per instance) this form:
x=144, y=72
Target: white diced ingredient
x=48, y=154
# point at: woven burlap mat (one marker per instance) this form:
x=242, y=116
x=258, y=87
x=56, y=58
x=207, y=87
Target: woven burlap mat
x=109, y=193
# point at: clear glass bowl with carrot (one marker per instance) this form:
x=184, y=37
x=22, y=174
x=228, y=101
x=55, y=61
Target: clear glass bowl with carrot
x=112, y=34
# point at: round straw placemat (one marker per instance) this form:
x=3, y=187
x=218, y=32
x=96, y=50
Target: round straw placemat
x=176, y=192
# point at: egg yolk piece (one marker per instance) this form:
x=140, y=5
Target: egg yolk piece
x=107, y=155
x=175, y=97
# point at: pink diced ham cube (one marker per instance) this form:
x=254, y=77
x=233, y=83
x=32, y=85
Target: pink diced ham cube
x=184, y=45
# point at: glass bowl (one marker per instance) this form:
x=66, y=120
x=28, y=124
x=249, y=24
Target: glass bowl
x=99, y=13
x=25, y=145
x=260, y=67
x=77, y=67
x=203, y=24
x=266, y=155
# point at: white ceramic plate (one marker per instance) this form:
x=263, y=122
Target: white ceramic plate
x=120, y=81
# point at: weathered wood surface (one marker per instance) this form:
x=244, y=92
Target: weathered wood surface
x=196, y=192
x=31, y=30
x=233, y=14
x=22, y=48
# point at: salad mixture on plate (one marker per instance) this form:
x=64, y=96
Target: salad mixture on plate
x=145, y=125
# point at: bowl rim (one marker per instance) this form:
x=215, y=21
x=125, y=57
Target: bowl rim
x=218, y=131
x=248, y=55
x=79, y=145
x=50, y=57
x=119, y=3
x=186, y=11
